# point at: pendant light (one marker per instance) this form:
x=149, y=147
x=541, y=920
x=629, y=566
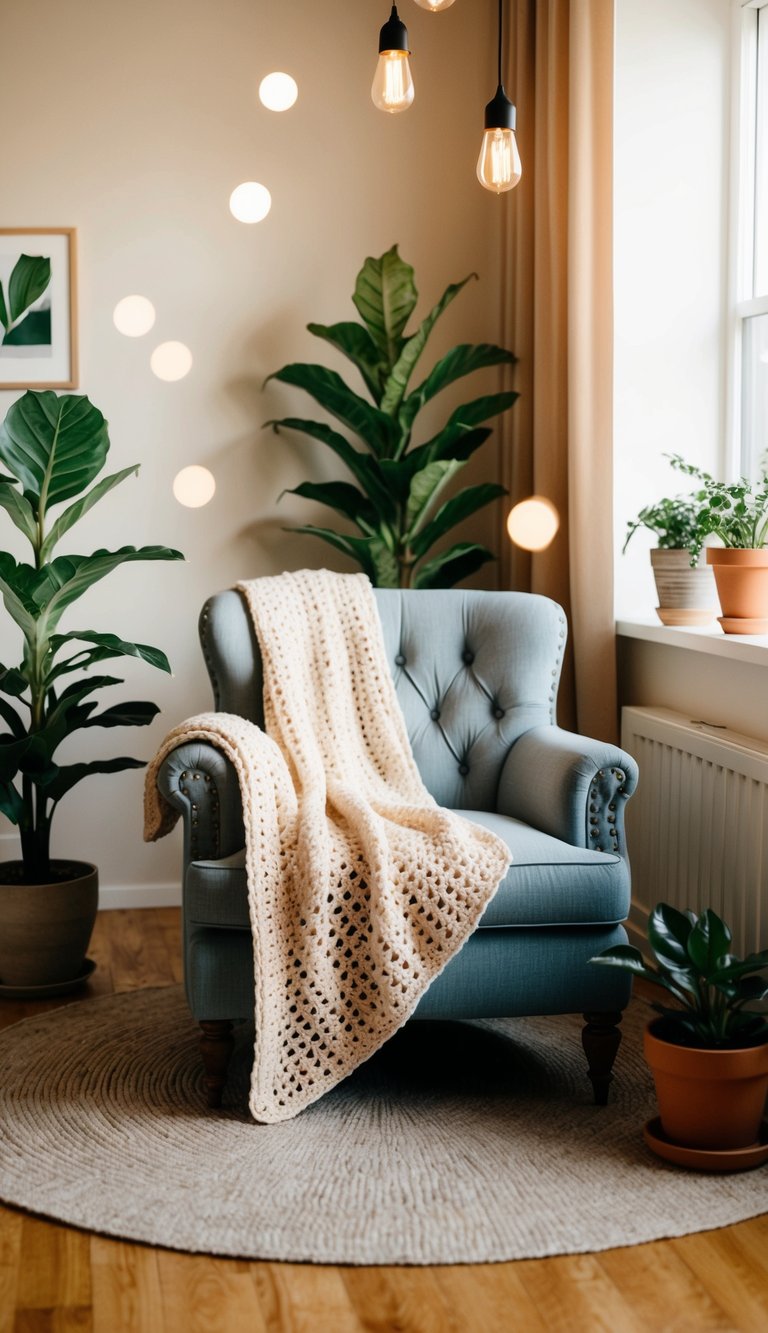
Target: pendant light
x=498, y=166
x=392, y=88
x=434, y=5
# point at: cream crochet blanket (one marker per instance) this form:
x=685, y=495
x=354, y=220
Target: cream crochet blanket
x=360, y=887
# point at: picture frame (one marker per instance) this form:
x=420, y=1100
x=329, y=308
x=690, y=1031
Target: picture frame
x=38, y=308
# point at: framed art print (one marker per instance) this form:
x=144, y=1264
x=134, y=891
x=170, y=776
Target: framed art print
x=38, y=308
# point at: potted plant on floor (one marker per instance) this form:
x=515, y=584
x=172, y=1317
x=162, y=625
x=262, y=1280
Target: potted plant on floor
x=398, y=505
x=709, y=1051
x=737, y=514
x=686, y=595
x=54, y=446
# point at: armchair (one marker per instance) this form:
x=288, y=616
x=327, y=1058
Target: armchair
x=476, y=676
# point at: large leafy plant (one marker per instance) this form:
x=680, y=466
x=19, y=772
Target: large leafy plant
x=711, y=986
x=54, y=447
x=397, y=504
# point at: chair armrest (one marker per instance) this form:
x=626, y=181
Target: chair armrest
x=201, y=783
x=569, y=786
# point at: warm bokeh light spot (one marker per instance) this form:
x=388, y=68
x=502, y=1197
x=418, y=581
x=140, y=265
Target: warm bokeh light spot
x=171, y=361
x=134, y=316
x=532, y=523
x=194, y=486
x=250, y=202
x=278, y=91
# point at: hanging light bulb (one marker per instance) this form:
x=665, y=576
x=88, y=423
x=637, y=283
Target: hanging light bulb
x=434, y=5
x=392, y=88
x=498, y=166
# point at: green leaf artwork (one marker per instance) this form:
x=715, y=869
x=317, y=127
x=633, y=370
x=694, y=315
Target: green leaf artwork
x=23, y=326
x=397, y=506
x=54, y=446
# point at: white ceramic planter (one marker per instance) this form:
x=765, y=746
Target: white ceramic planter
x=686, y=596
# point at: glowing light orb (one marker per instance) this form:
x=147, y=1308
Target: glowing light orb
x=194, y=486
x=134, y=316
x=532, y=523
x=250, y=202
x=278, y=91
x=171, y=361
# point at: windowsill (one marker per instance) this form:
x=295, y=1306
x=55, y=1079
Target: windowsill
x=751, y=648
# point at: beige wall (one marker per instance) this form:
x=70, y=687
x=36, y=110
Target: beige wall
x=133, y=122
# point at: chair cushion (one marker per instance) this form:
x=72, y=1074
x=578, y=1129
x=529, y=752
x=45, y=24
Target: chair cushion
x=549, y=883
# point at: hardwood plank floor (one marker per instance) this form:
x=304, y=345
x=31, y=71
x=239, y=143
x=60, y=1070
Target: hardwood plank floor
x=55, y=1279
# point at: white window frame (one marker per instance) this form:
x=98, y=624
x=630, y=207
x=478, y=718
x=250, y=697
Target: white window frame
x=741, y=245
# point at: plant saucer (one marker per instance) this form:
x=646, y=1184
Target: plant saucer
x=706, y=1159
x=738, y=625
x=52, y=989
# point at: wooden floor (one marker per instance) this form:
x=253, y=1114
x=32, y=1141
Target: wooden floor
x=54, y=1279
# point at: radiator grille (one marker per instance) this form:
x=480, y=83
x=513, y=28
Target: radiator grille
x=697, y=827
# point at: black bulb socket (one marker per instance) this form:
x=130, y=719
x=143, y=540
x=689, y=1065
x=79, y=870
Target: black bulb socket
x=394, y=34
x=500, y=114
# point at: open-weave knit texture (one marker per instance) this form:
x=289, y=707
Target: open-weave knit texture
x=360, y=887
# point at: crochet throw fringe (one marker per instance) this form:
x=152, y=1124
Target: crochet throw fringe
x=360, y=887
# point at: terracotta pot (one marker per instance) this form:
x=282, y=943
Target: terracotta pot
x=708, y=1099
x=45, y=928
x=742, y=586
x=687, y=596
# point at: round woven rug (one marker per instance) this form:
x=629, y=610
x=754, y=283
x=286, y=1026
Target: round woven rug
x=456, y=1143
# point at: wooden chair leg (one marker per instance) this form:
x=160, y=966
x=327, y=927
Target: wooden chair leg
x=601, y=1039
x=216, y=1044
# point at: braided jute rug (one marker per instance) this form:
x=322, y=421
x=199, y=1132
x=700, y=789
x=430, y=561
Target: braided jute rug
x=457, y=1143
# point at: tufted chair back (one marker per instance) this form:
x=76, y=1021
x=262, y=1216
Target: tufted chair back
x=472, y=671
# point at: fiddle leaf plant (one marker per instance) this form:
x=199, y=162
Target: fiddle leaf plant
x=54, y=446
x=396, y=500
x=711, y=987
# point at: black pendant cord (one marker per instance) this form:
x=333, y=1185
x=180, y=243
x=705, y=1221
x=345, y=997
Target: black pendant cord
x=501, y=19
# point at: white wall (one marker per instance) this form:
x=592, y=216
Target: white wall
x=133, y=122
x=672, y=109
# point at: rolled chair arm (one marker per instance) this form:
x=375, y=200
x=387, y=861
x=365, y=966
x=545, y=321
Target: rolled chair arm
x=200, y=782
x=569, y=786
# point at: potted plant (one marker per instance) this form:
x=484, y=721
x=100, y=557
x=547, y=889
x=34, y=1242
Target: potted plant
x=394, y=505
x=737, y=514
x=686, y=595
x=54, y=446
x=708, y=1052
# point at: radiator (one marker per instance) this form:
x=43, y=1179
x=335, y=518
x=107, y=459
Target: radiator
x=697, y=827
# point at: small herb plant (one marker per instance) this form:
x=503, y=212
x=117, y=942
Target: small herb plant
x=398, y=505
x=736, y=512
x=673, y=523
x=712, y=987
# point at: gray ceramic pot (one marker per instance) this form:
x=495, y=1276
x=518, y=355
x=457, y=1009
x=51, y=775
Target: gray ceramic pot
x=45, y=928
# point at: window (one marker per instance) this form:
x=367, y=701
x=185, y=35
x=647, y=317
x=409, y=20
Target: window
x=751, y=413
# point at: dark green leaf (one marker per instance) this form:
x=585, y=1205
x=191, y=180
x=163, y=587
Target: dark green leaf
x=385, y=296
x=668, y=932
x=445, y=570
x=356, y=343
x=110, y=645
x=66, y=578
x=425, y=489
x=55, y=445
x=4, y=319
x=481, y=409
x=15, y=581
x=357, y=548
x=731, y=968
x=460, y=361
x=19, y=510
x=627, y=958
x=12, y=719
x=75, y=511
x=29, y=279
x=339, y=495
x=374, y=427
x=11, y=803
x=12, y=681
x=133, y=714
x=363, y=467
x=70, y=774
x=406, y=362
x=708, y=942
x=455, y=511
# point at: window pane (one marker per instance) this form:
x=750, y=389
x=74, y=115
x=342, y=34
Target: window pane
x=755, y=395
x=761, y=158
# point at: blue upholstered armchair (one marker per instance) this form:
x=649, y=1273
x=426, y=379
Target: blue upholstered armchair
x=476, y=675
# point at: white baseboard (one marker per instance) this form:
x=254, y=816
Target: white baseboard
x=113, y=896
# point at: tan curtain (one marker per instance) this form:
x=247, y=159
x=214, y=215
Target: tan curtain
x=558, y=319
